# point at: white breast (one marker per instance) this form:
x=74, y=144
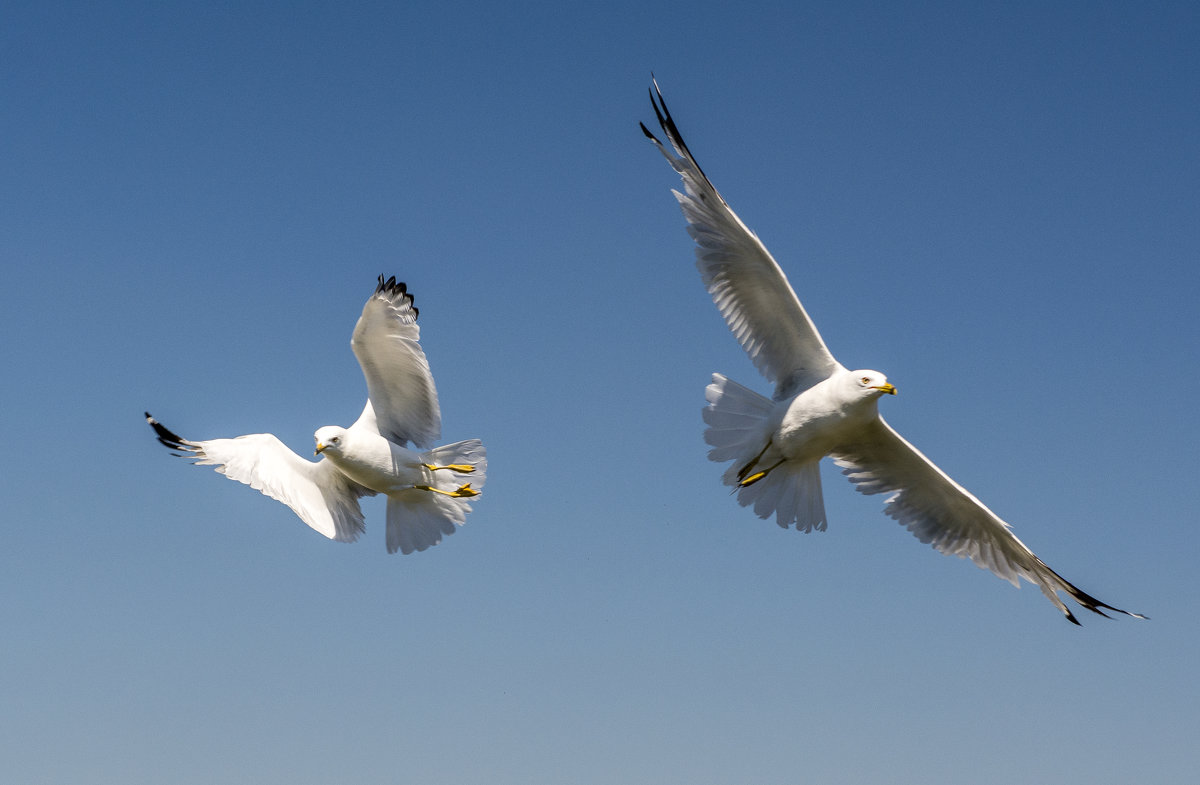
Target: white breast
x=373, y=461
x=818, y=419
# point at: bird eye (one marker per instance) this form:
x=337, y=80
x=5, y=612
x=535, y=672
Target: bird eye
x=865, y=380
x=336, y=439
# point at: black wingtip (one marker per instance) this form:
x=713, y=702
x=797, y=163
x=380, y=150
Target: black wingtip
x=167, y=437
x=1091, y=603
x=667, y=123
x=389, y=285
x=396, y=289
x=1094, y=605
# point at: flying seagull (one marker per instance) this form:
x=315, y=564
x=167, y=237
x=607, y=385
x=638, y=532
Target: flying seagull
x=427, y=491
x=820, y=408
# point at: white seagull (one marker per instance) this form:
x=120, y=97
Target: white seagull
x=820, y=408
x=426, y=491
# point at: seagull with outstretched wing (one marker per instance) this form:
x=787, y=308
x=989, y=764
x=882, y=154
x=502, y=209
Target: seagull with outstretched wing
x=427, y=488
x=820, y=408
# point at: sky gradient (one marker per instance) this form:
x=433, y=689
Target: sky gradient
x=995, y=206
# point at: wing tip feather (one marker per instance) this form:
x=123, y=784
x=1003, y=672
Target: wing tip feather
x=396, y=292
x=168, y=438
x=667, y=123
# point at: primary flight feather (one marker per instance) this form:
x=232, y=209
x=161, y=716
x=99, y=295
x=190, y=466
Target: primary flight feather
x=820, y=408
x=427, y=491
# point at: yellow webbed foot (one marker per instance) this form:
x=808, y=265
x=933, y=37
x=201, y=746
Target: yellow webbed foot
x=461, y=468
x=753, y=478
x=741, y=475
x=461, y=492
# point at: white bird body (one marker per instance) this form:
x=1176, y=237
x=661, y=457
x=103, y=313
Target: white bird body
x=816, y=421
x=812, y=424
x=371, y=460
x=427, y=491
x=819, y=407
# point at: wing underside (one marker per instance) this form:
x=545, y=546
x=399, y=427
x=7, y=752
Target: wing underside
x=744, y=280
x=402, y=400
x=940, y=512
x=322, y=496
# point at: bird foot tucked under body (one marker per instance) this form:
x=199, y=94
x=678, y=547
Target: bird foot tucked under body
x=753, y=478
x=745, y=478
x=461, y=468
x=461, y=492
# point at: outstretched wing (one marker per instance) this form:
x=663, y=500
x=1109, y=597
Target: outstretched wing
x=942, y=513
x=323, y=497
x=745, y=282
x=402, y=401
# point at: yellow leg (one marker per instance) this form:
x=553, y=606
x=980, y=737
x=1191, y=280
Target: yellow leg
x=461, y=468
x=741, y=475
x=753, y=478
x=462, y=492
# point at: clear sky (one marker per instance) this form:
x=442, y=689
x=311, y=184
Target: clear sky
x=994, y=204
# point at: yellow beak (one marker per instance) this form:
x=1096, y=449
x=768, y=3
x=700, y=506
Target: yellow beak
x=320, y=449
x=887, y=388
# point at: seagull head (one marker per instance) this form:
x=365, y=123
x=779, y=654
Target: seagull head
x=330, y=438
x=872, y=383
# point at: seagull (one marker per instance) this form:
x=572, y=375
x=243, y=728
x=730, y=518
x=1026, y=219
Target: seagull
x=820, y=408
x=427, y=490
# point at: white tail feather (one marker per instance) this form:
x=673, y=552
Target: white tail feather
x=792, y=492
x=740, y=422
x=418, y=519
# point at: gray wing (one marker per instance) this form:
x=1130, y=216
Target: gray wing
x=402, y=401
x=942, y=513
x=323, y=497
x=745, y=282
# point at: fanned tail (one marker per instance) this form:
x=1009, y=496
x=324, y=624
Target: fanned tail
x=737, y=418
x=418, y=518
x=739, y=427
x=791, y=492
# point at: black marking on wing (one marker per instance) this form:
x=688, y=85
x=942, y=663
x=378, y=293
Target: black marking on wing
x=667, y=123
x=1086, y=600
x=170, y=439
x=394, y=290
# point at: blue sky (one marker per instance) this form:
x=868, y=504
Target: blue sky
x=996, y=206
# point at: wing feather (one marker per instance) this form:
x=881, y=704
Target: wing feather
x=744, y=280
x=940, y=512
x=323, y=497
x=402, y=400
